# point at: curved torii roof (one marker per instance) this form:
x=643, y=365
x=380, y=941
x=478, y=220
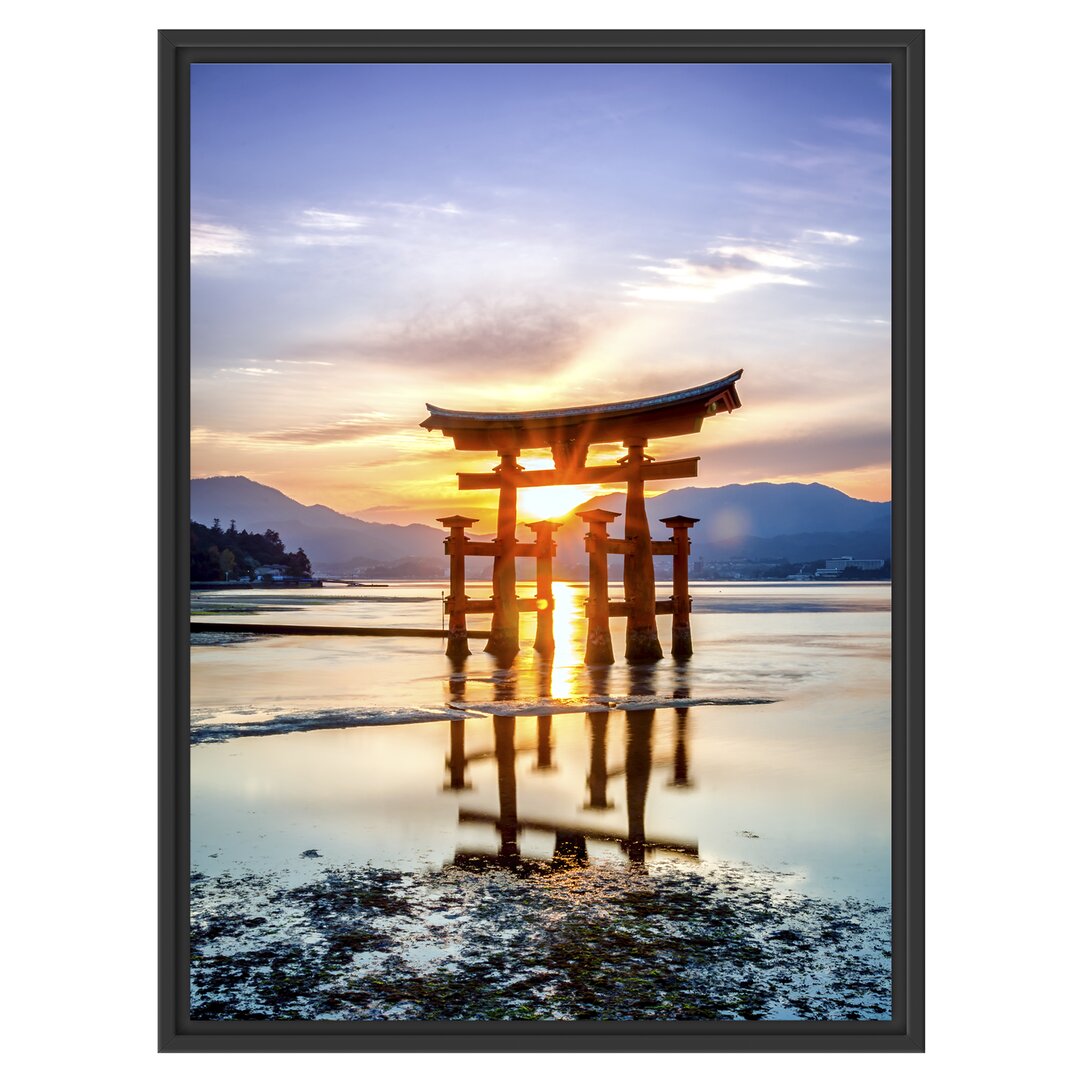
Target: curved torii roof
x=677, y=413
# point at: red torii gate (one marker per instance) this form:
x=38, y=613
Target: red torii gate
x=569, y=433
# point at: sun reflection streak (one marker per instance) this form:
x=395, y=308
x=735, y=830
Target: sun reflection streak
x=568, y=627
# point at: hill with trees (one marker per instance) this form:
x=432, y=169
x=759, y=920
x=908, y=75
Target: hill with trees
x=230, y=554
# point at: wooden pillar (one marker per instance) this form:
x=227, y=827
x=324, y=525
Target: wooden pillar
x=639, y=580
x=503, y=639
x=457, y=644
x=598, y=641
x=545, y=597
x=680, y=776
x=543, y=743
x=639, y=729
x=456, y=761
x=505, y=756
x=682, y=644
x=597, y=779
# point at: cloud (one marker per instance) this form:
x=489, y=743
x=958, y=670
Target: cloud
x=330, y=228
x=735, y=264
x=329, y=239
x=371, y=426
x=356, y=426
x=807, y=453
x=850, y=325
x=529, y=336
x=321, y=228
x=256, y=371
x=420, y=209
x=212, y=241
x=704, y=281
x=773, y=258
x=827, y=236
x=332, y=219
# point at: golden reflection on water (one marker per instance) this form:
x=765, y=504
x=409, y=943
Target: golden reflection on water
x=568, y=626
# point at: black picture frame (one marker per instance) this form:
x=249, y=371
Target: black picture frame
x=904, y=51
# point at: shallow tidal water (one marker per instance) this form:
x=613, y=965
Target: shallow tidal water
x=372, y=828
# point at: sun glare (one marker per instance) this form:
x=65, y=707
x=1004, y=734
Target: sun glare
x=551, y=503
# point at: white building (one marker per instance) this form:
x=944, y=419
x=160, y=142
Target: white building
x=835, y=567
x=270, y=573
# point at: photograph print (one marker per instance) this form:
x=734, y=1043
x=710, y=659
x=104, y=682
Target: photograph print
x=541, y=542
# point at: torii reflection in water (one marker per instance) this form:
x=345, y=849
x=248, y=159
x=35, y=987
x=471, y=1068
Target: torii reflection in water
x=570, y=840
x=458, y=760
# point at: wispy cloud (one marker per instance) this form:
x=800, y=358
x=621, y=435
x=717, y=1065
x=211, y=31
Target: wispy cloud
x=827, y=236
x=371, y=426
x=329, y=239
x=419, y=209
x=705, y=280
x=532, y=334
x=735, y=264
x=806, y=453
x=840, y=320
x=378, y=222
x=331, y=228
x=253, y=371
x=332, y=219
x=213, y=241
x=350, y=429
x=771, y=257
x=260, y=366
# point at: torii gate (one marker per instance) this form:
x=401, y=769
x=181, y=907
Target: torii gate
x=569, y=433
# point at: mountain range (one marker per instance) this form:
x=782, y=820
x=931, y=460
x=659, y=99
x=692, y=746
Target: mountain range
x=792, y=522
x=782, y=522
x=330, y=540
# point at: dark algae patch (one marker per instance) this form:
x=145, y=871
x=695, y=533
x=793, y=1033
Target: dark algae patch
x=605, y=941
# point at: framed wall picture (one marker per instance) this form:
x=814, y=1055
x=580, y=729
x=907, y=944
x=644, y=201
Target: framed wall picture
x=541, y=540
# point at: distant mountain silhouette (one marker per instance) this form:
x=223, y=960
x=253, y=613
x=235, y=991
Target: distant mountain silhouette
x=328, y=538
x=740, y=510
x=796, y=522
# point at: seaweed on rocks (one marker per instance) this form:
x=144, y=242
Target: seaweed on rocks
x=604, y=941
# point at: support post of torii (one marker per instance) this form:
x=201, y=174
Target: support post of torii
x=545, y=597
x=639, y=578
x=503, y=640
x=598, y=640
x=682, y=645
x=457, y=644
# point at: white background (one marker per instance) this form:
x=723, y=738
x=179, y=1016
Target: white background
x=78, y=787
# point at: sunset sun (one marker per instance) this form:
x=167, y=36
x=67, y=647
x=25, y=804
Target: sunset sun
x=551, y=503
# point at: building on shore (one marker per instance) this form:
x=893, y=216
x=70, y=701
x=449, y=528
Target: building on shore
x=836, y=567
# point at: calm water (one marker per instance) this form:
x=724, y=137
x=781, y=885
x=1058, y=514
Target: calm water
x=375, y=750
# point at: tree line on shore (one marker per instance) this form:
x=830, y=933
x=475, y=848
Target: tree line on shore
x=219, y=554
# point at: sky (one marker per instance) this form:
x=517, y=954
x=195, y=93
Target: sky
x=367, y=238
